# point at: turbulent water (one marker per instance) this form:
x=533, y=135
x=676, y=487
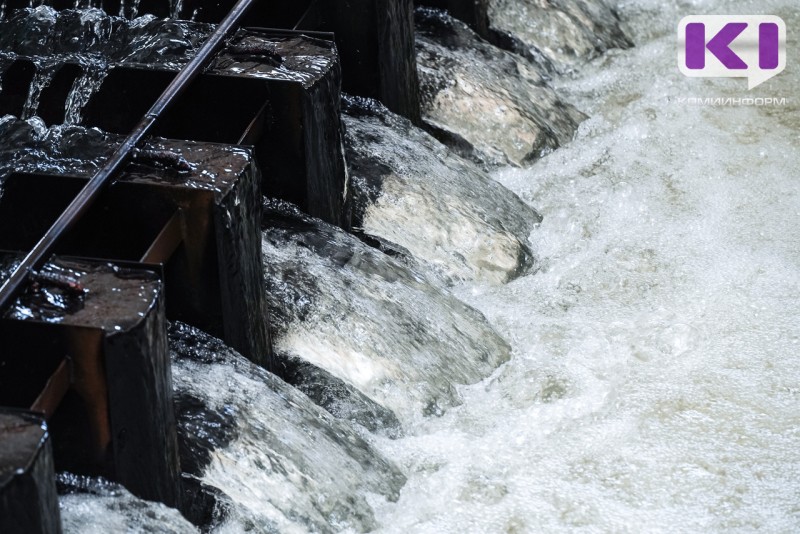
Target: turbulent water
x=654, y=382
x=94, y=42
x=96, y=506
x=371, y=320
x=565, y=32
x=93, y=34
x=241, y=430
x=412, y=191
x=30, y=146
x=487, y=104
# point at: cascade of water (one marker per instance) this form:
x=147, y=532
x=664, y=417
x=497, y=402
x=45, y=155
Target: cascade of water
x=653, y=384
x=86, y=85
x=28, y=31
x=658, y=330
x=262, y=453
x=410, y=190
x=92, y=36
x=44, y=75
x=134, y=8
x=372, y=321
x=176, y=9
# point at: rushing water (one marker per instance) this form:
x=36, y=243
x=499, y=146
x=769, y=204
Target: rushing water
x=566, y=32
x=654, y=382
x=95, y=506
x=91, y=32
x=412, y=191
x=94, y=41
x=241, y=430
x=372, y=321
x=489, y=105
x=42, y=78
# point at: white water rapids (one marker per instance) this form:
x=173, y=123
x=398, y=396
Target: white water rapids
x=655, y=380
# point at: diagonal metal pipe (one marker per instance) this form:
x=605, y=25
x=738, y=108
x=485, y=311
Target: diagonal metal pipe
x=42, y=251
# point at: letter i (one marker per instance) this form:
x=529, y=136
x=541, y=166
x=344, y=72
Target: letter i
x=768, y=45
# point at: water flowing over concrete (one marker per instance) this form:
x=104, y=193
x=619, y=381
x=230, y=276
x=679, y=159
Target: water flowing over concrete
x=371, y=320
x=409, y=189
x=262, y=452
x=93, y=34
x=30, y=146
x=625, y=362
x=490, y=105
x=653, y=385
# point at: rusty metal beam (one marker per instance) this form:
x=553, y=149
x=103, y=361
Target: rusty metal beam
x=167, y=240
x=53, y=392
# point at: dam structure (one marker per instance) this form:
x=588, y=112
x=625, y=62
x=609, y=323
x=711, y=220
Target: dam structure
x=391, y=266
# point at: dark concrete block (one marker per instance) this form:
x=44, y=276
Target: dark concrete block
x=217, y=203
x=28, y=500
x=85, y=345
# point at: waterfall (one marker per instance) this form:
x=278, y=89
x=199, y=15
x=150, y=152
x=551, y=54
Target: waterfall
x=86, y=85
x=410, y=190
x=373, y=321
x=41, y=79
x=566, y=32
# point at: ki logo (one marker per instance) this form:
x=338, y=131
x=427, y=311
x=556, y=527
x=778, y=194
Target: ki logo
x=732, y=46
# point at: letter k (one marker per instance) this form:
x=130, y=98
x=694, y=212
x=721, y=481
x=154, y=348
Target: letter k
x=719, y=45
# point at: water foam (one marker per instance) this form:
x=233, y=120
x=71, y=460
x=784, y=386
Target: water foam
x=654, y=380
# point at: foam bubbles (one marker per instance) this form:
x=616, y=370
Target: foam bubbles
x=654, y=380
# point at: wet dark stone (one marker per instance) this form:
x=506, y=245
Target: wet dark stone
x=201, y=430
x=340, y=305
x=557, y=34
x=337, y=397
x=487, y=104
x=476, y=227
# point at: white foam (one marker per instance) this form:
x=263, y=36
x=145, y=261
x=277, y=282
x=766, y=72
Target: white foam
x=654, y=385
x=116, y=510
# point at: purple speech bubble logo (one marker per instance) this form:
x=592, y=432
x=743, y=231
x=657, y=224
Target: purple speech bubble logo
x=751, y=46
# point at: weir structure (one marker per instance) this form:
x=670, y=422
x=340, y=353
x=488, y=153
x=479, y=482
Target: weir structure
x=93, y=264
